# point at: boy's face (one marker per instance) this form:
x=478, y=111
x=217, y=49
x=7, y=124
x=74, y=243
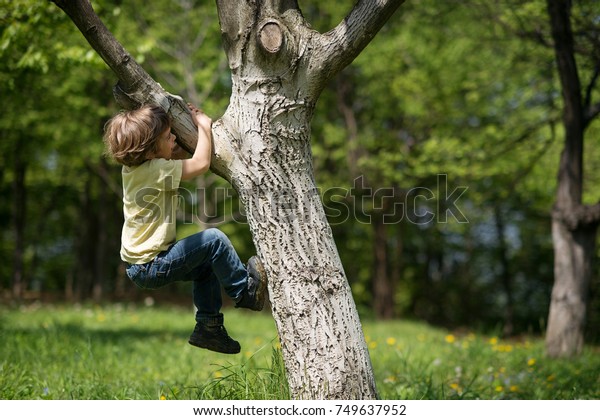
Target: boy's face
x=166, y=143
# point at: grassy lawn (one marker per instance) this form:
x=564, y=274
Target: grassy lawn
x=136, y=352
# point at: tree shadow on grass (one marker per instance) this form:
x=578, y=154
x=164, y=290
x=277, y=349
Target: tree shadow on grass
x=73, y=332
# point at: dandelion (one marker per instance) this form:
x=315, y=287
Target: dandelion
x=530, y=362
x=455, y=387
x=162, y=397
x=493, y=341
x=373, y=345
x=514, y=388
x=450, y=339
x=504, y=348
x=499, y=388
x=390, y=341
x=550, y=378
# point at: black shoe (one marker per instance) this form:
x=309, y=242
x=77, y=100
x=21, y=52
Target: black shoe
x=214, y=339
x=254, y=296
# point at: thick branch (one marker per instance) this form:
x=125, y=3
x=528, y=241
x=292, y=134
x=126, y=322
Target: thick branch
x=135, y=86
x=130, y=73
x=591, y=111
x=581, y=217
x=340, y=46
x=570, y=177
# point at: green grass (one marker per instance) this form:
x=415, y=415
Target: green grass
x=129, y=352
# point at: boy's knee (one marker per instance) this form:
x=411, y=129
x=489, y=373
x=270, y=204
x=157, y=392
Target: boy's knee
x=216, y=235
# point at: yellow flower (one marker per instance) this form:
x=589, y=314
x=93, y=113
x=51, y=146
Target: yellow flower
x=502, y=369
x=499, y=388
x=373, y=345
x=493, y=341
x=162, y=397
x=514, y=388
x=531, y=361
x=450, y=339
x=550, y=378
x=390, y=341
x=454, y=386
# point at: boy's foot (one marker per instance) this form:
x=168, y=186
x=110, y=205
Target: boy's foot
x=254, y=296
x=214, y=339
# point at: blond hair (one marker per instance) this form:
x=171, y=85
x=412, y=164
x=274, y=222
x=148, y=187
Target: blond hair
x=130, y=135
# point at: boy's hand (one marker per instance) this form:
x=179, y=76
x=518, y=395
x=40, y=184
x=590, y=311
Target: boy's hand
x=200, y=118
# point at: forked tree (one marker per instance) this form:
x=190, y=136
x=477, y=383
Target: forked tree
x=279, y=67
x=574, y=224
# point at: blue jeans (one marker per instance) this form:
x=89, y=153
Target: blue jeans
x=206, y=258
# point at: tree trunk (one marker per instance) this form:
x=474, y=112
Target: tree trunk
x=101, y=238
x=322, y=342
x=262, y=146
x=573, y=255
x=574, y=225
x=19, y=209
x=383, y=293
x=505, y=274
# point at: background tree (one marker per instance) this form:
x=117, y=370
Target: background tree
x=574, y=224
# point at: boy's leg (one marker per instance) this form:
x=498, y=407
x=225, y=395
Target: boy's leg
x=209, y=251
x=206, y=292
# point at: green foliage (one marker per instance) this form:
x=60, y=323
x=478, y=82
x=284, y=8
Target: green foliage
x=128, y=352
x=461, y=88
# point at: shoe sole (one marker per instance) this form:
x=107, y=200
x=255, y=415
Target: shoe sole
x=215, y=349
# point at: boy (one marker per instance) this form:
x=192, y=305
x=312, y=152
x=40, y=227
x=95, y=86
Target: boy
x=141, y=140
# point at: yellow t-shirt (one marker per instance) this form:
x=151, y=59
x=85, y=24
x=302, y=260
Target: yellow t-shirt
x=149, y=206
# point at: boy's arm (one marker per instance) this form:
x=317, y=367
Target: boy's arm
x=200, y=161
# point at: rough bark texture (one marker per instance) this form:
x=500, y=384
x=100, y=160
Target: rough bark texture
x=279, y=67
x=574, y=225
x=262, y=146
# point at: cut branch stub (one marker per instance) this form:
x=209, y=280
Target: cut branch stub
x=270, y=37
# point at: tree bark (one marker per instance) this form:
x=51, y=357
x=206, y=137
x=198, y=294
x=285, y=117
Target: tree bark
x=262, y=146
x=574, y=225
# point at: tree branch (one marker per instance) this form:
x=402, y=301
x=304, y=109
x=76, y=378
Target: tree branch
x=135, y=86
x=340, y=46
x=580, y=217
x=591, y=111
